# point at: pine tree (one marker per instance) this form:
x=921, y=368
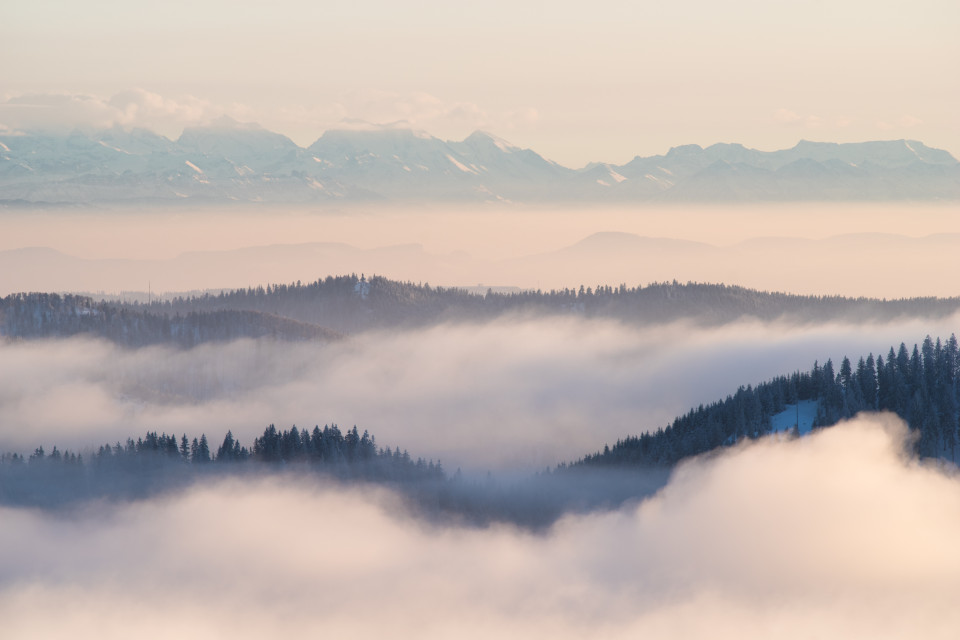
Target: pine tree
x=203, y=450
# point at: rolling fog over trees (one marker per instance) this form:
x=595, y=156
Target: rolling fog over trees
x=921, y=388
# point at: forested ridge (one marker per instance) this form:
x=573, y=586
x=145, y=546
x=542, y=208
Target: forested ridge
x=921, y=386
x=326, y=308
x=352, y=303
x=47, y=315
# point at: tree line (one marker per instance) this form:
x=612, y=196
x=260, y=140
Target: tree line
x=154, y=462
x=52, y=315
x=335, y=302
x=327, y=307
x=921, y=386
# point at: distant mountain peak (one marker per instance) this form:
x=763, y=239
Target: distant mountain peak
x=684, y=150
x=488, y=138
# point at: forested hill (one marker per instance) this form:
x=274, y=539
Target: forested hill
x=324, y=309
x=45, y=315
x=352, y=303
x=921, y=386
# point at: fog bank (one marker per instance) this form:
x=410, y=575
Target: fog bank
x=836, y=535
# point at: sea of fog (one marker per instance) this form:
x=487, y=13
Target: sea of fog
x=833, y=535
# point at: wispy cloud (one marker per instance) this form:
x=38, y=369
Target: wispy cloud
x=792, y=118
x=128, y=109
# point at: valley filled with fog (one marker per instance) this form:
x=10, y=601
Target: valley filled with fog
x=496, y=320
x=843, y=529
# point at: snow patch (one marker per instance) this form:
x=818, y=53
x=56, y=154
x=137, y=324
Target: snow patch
x=604, y=183
x=787, y=419
x=104, y=144
x=665, y=170
x=460, y=165
x=616, y=176
x=193, y=166
x=664, y=184
x=4, y=147
x=502, y=144
x=362, y=288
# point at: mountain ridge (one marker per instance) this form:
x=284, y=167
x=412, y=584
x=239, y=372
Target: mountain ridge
x=233, y=162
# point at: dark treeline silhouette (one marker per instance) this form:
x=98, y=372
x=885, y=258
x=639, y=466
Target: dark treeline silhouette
x=921, y=386
x=161, y=463
x=155, y=463
x=352, y=303
x=45, y=315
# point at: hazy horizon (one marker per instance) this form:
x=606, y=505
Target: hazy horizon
x=799, y=247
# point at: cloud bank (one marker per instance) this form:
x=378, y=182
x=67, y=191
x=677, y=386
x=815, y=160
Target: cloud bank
x=836, y=535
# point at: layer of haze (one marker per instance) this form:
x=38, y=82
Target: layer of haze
x=880, y=250
x=835, y=535
x=514, y=395
x=575, y=82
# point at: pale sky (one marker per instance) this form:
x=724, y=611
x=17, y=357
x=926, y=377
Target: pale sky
x=575, y=81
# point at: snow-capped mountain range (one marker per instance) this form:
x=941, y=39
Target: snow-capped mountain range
x=234, y=162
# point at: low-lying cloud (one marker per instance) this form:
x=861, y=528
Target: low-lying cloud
x=836, y=535
x=514, y=394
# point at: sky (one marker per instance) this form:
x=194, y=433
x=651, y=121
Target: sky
x=577, y=82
